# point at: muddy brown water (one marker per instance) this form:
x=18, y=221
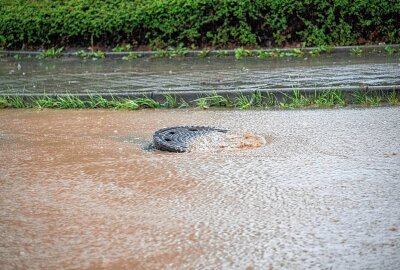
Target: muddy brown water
x=320, y=191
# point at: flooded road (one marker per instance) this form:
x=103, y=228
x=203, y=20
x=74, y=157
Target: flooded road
x=77, y=191
x=147, y=76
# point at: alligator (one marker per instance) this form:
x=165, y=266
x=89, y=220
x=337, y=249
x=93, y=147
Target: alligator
x=178, y=139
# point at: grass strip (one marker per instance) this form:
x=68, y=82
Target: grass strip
x=272, y=100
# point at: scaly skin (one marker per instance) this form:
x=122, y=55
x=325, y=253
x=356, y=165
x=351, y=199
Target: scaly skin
x=177, y=139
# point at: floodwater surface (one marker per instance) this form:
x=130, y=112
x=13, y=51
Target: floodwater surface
x=147, y=76
x=320, y=189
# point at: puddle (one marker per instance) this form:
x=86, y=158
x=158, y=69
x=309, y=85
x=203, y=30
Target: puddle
x=311, y=189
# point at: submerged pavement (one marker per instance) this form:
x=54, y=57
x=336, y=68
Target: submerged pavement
x=78, y=191
x=148, y=76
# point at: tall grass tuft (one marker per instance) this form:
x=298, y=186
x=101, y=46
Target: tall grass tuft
x=44, y=102
x=329, y=98
x=393, y=98
x=213, y=100
x=4, y=102
x=51, y=53
x=69, y=102
x=127, y=104
x=365, y=98
x=255, y=100
x=170, y=101
x=146, y=102
x=296, y=100
x=17, y=102
x=243, y=102
x=271, y=100
x=98, y=102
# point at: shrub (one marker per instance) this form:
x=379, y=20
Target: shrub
x=197, y=23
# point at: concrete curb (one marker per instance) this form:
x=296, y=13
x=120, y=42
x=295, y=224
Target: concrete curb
x=195, y=53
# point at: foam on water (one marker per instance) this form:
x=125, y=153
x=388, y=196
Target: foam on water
x=228, y=141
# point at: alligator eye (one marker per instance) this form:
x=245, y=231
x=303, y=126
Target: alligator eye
x=171, y=132
x=168, y=139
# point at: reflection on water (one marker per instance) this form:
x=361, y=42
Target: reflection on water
x=78, y=191
x=71, y=75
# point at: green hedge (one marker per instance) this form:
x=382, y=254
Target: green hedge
x=197, y=23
